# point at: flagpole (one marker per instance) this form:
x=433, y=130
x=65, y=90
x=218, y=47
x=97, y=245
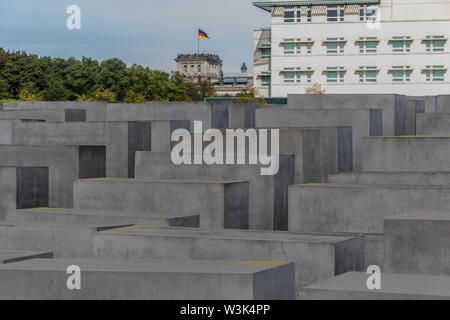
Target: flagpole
x=198, y=41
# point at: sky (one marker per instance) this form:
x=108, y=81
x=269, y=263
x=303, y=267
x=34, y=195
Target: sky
x=146, y=32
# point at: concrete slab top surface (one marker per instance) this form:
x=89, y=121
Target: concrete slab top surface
x=410, y=137
x=94, y=227
x=106, y=213
x=95, y=265
x=147, y=180
x=423, y=215
x=229, y=234
x=404, y=284
x=369, y=186
x=8, y=255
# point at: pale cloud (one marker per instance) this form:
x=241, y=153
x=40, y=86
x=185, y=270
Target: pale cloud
x=148, y=32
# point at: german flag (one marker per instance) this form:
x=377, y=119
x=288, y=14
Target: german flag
x=202, y=34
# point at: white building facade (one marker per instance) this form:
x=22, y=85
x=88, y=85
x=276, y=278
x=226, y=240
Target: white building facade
x=354, y=46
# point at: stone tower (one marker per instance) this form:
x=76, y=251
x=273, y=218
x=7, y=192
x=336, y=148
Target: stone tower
x=200, y=66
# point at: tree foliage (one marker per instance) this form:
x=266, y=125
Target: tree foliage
x=316, y=88
x=29, y=77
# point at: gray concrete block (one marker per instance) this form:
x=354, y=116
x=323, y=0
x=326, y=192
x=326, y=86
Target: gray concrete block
x=267, y=194
x=6, y=127
x=8, y=190
x=199, y=111
x=150, y=280
x=48, y=115
x=393, y=106
x=358, y=208
x=443, y=104
x=220, y=204
x=120, y=139
x=359, y=120
x=352, y=286
x=77, y=216
x=114, y=136
x=61, y=161
x=64, y=240
x=407, y=154
x=433, y=124
x=216, y=115
x=11, y=256
x=418, y=243
x=414, y=178
x=316, y=257
x=94, y=110
x=428, y=103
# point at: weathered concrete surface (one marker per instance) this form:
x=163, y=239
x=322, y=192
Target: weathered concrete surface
x=414, y=178
x=418, y=243
x=443, y=104
x=393, y=106
x=220, y=203
x=200, y=111
x=407, y=154
x=352, y=286
x=49, y=115
x=315, y=151
x=62, y=163
x=433, y=124
x=316, y=257
x=110, y=217
x=267, y=194
x=358, y=208
x=213, y=115
x=95, y=110
x=359, y=120
x=11, y=256
x=64, y=240
x=8, y=190
x=112, y=135
x=6, y=136
x=151, y=280
x=428, y=102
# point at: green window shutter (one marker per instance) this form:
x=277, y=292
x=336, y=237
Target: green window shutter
x=289, y=16
x=289, y=77
x=438, y=45
x=398, y=46
x=332, y=76
x=289, y=48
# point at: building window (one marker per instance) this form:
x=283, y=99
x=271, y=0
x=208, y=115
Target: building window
x=435, y=73
x=199, y=68
x=192, y=68
x=368, y=45
x=309, y=13
x=335, y=13
x=308, y=76
x=335, y=74
x=185, y=69
x=367, y=12
x=266, y=53
x=368, y=74
x=309, y=45
x=289, y=77
x=292, y=48
x=335, y=45
x=401, y=44
x=289, y=15
x=292, y=76
x=401, y=74
x=435, y=43
x=265, y=81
